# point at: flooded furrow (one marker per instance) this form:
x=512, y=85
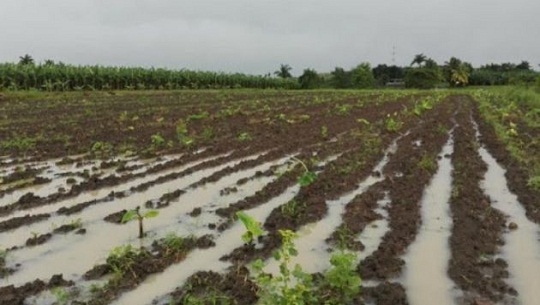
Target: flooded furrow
x=104, y=192
x=522, y=242
x=82, y=252
x=313, y=254
x=199, y=260
x=426, y=262
x=373, y=233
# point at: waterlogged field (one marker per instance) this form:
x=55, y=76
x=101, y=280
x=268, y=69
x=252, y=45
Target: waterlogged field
x=269, y=197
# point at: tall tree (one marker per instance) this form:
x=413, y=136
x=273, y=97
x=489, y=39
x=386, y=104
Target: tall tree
x=309, y=79
x=284, y=71
x=362, y=76
x=341, y=79
x=524, y=65
x=26, y=60
x=419, y=59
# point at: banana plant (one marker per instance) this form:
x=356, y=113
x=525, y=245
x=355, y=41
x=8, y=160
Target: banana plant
x=136, y=214
x=253, y=228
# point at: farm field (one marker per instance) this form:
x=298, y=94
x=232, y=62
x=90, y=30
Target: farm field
x=381, y=197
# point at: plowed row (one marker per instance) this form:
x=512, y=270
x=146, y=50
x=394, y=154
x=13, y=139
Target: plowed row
x=60, y=219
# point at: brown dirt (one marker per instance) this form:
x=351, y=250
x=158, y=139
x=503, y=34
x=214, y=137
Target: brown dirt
x=516, y=173
x=478, y=228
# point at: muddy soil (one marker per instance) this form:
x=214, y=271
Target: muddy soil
x=478, y=227
x=290, y=125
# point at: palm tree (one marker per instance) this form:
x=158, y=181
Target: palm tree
x=419, y=59
x=26, y=60
x=284, y=71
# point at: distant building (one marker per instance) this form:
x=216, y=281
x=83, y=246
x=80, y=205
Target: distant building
x=396, y=83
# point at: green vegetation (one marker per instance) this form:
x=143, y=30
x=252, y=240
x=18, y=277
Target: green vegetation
x=342, y=283
x=307, y=177
x=292, y=208
x=310, y=79
x=292, y=285
x=50, y=76
x=244, y=137
x=136, y=214
x=121, y=260
x=393, y=125
x=426, y=75
x=339, y=285
x=101, y=149
x=253, y=228
x=62, y=296
x=183, y=134
x=514, y=113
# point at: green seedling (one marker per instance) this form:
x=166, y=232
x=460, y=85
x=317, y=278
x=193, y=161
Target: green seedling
x=393, y=125
x=62, y=296
x=341, y=279
x=292, y=285
x=183, y=134
x=324, y=132
x=121, y=260
x=308, y=177
x=244, y=136
x=291, y=208
x=136, y=214
x=157, y=141
x=363, y=121
x=253, y=228
x=422, y=106
x=534, y=182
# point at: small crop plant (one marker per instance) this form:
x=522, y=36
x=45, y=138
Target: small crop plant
x=341, y=281
x=422, y=106
x=393, y=125
x=183, y=134
x=61, y=295
x=158, y=141
x=428, y=163
x=292, y=285
x=121, y=260
x=244, y=136
x=292, y=208
x=253, y=228
x=136, y=214
x=307, y=177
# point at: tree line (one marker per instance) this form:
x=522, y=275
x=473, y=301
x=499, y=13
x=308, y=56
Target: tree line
x=423, y=72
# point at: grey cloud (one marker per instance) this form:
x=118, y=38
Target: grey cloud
x=256, y=36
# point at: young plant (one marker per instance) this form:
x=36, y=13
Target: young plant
x=324, y=132
x=393, y=125
x=292, y=285
x=308, y=177
x=244, y=136
x=253, y=228
x=121, y=260
x=422, y=106
x=341, y=281
x=291, y=208
x=183, y=134
x=62, y=296
x=136, y=214
x=157, y=141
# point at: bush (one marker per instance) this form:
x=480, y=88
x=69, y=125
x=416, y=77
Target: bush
x=422, y=78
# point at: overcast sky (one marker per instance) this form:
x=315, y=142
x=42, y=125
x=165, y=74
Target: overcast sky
x=255, y=36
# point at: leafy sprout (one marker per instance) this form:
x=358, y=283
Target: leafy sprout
x=136, y=214
x=253, y=227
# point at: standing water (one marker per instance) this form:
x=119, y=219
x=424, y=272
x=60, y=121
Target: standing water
x=522, y=249
x=313, y=254
x=425, y=276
